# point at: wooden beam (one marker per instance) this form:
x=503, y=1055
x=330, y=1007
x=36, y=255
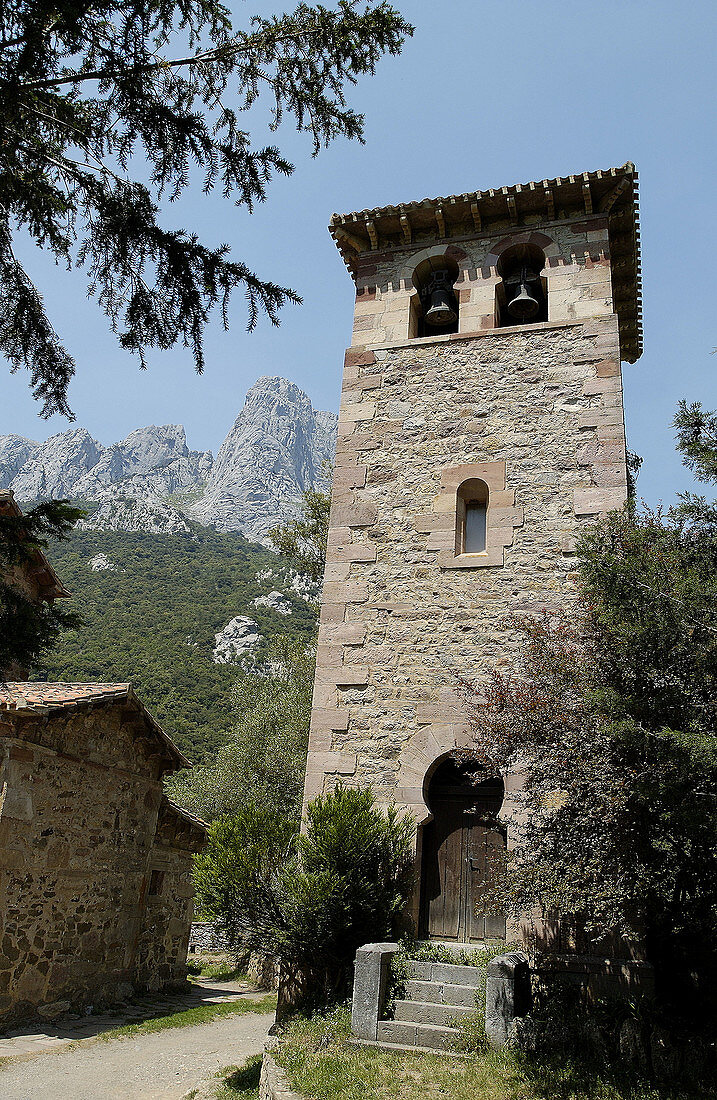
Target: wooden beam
x=549, y=200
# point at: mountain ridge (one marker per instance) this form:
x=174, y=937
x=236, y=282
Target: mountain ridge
x=278, y=447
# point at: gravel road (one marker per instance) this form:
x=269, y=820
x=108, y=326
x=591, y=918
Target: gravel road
x=159, y=1066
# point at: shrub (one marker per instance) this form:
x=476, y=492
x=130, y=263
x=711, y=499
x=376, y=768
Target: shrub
x=350, y=886
x=309, y=901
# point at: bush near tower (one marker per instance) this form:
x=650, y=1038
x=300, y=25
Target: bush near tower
x=613, y=714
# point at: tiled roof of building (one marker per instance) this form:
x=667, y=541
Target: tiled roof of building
x=25, y=698
x=611, y=193
x=173, y=807
x=39, y=696
x=51, y=587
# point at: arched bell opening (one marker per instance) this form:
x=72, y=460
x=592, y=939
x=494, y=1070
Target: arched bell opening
x=522, y=293
x=436, y=306
x=463, y=848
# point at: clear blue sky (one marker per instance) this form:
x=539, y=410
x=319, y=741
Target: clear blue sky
x=487, y=93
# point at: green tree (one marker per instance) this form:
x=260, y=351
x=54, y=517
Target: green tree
x=303, y=541
x=29, y=628
x=346, y=882
x=87, y=87
x=264, y=761
x=612, y=713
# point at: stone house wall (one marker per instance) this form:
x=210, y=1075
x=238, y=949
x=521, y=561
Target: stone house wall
x=79, y=803
x=169, y=905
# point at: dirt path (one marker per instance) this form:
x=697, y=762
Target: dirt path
x=159, y=1066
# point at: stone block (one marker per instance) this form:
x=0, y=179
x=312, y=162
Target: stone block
x=430, y=1012
x=329, y=719
x=470, y=976
x=355, y=551
x=393, y=1031
x=369, y=991
x=342, y=634
x=356, y=412
x=507, y=995
x=354, y=515
x=358, y=357
x=349, y=477
x=591, y=502
x=491, y=472
x=346, y=592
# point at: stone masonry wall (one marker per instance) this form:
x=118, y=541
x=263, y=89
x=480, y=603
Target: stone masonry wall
x=539, y=407
x=163, y=945
x=78, y=812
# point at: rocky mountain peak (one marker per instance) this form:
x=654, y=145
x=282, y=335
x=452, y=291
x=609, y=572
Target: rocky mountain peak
x=275, y=450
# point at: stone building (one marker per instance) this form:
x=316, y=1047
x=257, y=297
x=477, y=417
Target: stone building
x=95, y=862
x=481, y=425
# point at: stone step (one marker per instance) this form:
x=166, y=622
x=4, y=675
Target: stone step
x=418, y=1012
x=445, y=972
x=407, y=1034
x=441, y=993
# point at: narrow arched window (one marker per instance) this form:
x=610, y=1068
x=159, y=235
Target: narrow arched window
x=472, y=517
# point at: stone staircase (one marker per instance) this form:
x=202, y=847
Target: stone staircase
x=437, y=995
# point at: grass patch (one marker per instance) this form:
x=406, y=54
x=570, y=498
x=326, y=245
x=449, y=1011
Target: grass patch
x=190, y=1017
x=218, y=967
x=323, y=1065
x=220, y=972
x=438, y=952
x=240, y=1082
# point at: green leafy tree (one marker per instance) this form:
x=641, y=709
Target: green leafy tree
x=28, y=628
x=346, y=882
x=91, y=90
x=264, y=760
x=303, y=541
x=611, y=713
x=233, y=875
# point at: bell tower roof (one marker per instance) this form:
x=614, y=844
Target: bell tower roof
x=601, y=195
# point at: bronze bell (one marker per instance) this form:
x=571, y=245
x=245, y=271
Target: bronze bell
x=440, y=311
x=524, y=305
x=439, y=301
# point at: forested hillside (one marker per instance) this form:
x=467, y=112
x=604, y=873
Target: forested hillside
x=151, y=611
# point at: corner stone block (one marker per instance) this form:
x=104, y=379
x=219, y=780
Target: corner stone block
x=354, y=515
x=507, y=995
x=370, y=983
x=590, y=502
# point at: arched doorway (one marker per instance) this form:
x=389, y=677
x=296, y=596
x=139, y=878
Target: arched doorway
x=463, y=854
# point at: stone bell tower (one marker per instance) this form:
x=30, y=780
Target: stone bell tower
x=481, y=425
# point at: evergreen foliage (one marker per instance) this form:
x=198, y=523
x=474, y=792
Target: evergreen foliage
x=27, y=628
x=87, y=88
x=152, y=621
x=346, y=883
x=303, y=541
x=264, y=758
x=611, y=713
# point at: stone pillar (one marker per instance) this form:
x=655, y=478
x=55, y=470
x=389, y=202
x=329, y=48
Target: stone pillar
x=370, y=982
x=507, y=995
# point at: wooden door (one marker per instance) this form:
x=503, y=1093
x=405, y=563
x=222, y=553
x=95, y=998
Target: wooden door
x=485, y=865
x=444, y=872
x=463, y=853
